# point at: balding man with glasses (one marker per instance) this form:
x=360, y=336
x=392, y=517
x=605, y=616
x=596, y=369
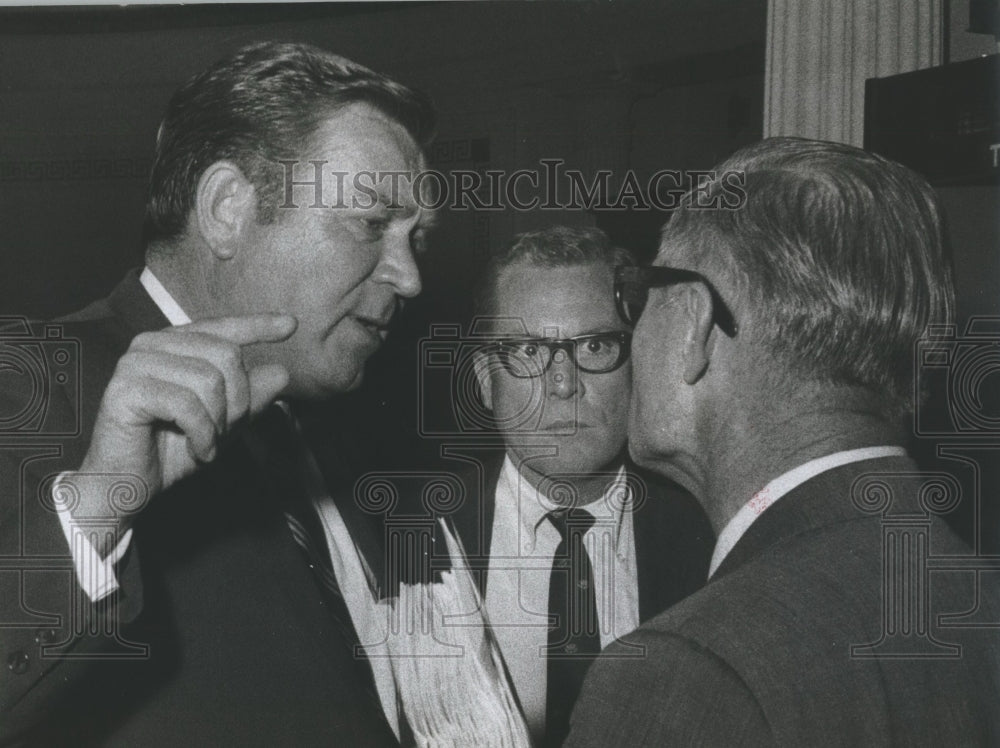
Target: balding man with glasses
x=574, y=546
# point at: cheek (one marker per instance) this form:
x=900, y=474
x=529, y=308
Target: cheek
x=512, y=396
x=647, y=369
x=612, y=392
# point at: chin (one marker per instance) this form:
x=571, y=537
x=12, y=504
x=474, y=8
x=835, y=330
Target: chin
x=327, y=384
x=576, y=460
x=640, y=453
x=658, y=461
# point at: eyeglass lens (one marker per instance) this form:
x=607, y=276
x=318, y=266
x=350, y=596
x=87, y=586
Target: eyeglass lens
x=531, y=358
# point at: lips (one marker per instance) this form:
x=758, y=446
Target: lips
x=376, y=326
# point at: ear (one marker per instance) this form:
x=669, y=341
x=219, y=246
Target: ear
x=481, y=366
x=224, y=202
x=698, y=312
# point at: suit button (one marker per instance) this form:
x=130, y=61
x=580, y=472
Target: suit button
x=18, y=661
x=45, y=636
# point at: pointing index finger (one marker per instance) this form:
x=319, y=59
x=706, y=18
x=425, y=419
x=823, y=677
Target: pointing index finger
x=252, y=328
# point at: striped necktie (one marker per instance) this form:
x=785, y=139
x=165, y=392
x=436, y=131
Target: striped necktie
x=278, y=448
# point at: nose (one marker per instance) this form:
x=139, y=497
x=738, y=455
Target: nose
x=398, y=267
x=563, y=377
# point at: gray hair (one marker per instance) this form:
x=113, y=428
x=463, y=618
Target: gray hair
x=838, y=258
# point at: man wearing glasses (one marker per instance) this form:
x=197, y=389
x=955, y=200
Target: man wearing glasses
x=578, y=547
x=774, y=378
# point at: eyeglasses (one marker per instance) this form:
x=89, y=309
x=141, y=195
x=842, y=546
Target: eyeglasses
x=599, y=353
x=632, y=286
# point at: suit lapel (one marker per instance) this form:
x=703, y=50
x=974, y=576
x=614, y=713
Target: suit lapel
x=340, y=478
x=673, y=542
x=473, y=522
x=649, y=555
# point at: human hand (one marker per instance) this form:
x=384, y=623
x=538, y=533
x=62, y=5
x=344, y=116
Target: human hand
x=176, y=392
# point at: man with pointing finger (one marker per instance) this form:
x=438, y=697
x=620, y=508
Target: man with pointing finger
x=210, y=593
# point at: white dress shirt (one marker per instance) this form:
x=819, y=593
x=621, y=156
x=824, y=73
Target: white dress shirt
x=523, y=544
x=780, y=486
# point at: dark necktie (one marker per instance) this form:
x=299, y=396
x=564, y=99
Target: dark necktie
x=575, y=639
x=277, y=447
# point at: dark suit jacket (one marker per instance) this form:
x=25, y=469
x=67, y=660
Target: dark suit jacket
x=673, y=537
x=220, y=633
x=763, y=654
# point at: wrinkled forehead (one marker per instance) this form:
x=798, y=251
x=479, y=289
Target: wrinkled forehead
x=361, y=150
x=556, y=301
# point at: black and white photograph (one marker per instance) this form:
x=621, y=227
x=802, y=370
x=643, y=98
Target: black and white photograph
x=514, y=374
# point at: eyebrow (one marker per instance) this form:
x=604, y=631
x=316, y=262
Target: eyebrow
x=569, y=337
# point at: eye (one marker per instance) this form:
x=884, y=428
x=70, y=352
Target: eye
x=601, y=345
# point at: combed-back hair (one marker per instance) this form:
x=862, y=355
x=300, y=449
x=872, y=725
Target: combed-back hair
x=838, y=257
x=261, y=105
x=556, y=246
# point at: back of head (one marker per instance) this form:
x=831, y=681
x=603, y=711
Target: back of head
x=837, y=258
x=255, y=108
x=556, y=246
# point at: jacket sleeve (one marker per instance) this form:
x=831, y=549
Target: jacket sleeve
x=50, y=629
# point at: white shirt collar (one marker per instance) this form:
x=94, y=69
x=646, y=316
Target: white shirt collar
x=533, y=506
x=162, y=298
x=781, y=485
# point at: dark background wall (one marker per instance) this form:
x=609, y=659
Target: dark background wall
x=642, y=86
x=639, y=86
x=651, y=85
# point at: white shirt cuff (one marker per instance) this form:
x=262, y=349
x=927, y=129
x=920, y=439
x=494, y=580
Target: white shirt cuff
x=95, y=575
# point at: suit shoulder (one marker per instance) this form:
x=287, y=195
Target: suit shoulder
x=660, y=687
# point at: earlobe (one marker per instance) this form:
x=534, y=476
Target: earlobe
x=696, y=345
x=481, y=366
x=695, y=362
x=224, y=201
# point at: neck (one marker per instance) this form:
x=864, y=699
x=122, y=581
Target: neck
x=750, y=459
x=184, y=279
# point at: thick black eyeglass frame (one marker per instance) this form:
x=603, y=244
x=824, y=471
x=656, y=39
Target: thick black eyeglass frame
x=568, y=345
x=646, y=278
